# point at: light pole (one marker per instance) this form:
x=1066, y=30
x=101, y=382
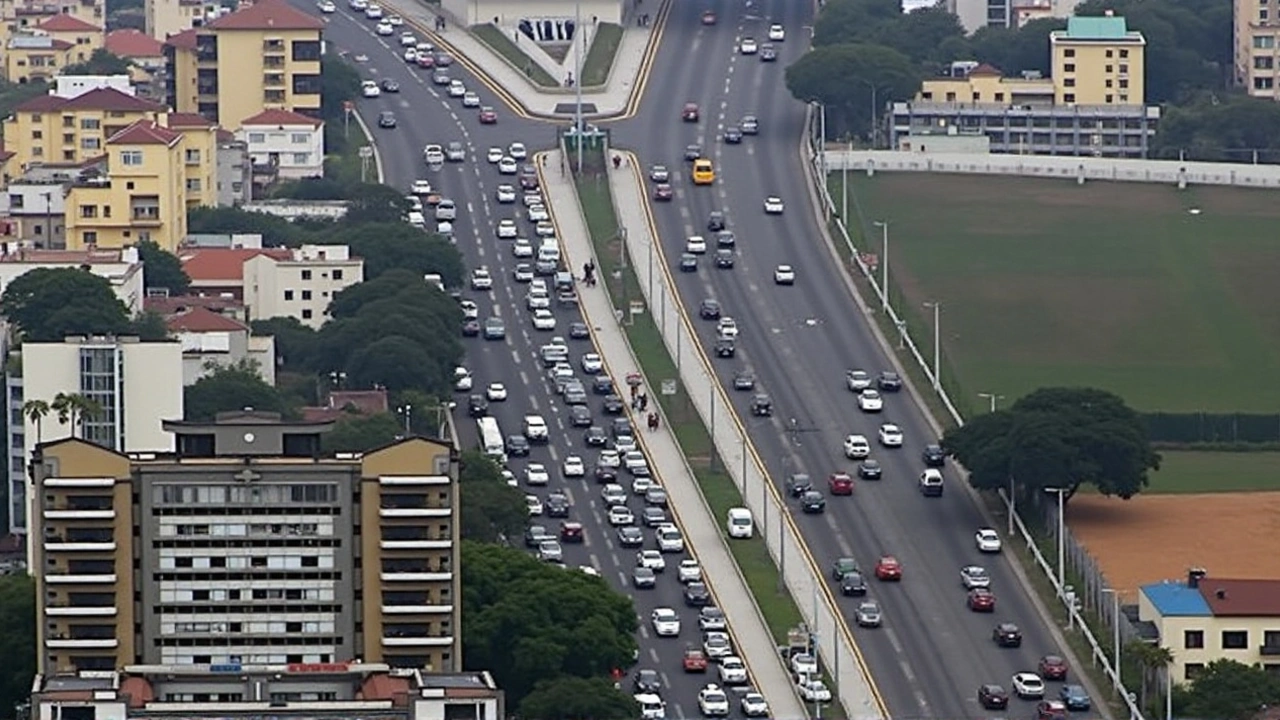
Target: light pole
x=1115, y=629
x=577, y=78
x=937, y=345
x=406, y=410
x=874, y=91
x=884, y=263
x=994, y=398
x=1062, y=539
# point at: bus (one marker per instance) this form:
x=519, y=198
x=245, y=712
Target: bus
x=703, y=172
x=491, y=442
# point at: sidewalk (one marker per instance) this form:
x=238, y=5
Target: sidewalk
x=615, y=98
x=701, y=529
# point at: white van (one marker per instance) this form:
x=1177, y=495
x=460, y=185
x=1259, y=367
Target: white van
x=740, y=524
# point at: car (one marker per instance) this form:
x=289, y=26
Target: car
x=518, y=151
x=663, y=192
x=715, y=221
x=537, y=298
x=748, y=46
x=665, y=621
x=621, y=515
x=711, y=618
x=733, y=135
x=610, y=458
x=888, y=568
x=733, y=671
x=550, y=551
x=1007, y=635
x=744, y=379
x=761, y=406
x=889, y=381
x=1028, y=686
x=753, y=704
x=410, y=54
x=488, y=116
x=890, y=435
x=573, y=466
x=425, y=58
x=853, y=585
x=669, y=538
x=370, y=89
x=384, y=29
x=1051, y=710
x=409, y=40
x=725, y=348
x=470, y=311
x=709, y=309
x=717, y=645
x=647, y=680
x=495, y=329
x=689, y=113
x=557, y=505
x=974, y=576
x=933, y=456
x=768, y=53
x=595, y=436
x=481, y=279
x=535, y=428
x=868, y=614
x=725, y=239
x=507, y=165
x=713, y=702
x=987, y=540
x=1075, y=697
x=651, y=705
x=613, y=405
x=579, y=415
x=773, y=205
x=784, y=275
x=981, y=600
x=506, y=229
x=544, y=229
x=692, y=152
x=390, y=86
x=327, y=7
x=811, y=690
x=870, y=469
x=470, y=100
x=505, y=194
x=708, y=17
x=396, y=20
x=522, y=273
x=494, y=155
x=571, y=532
x=536, y=474
x=522, y=248
x=869, y=401
x=630, y=536
x=839, y=483
x=457, y=89
x=544, y=319
x=856, y=447
x=993, y=697
x=694, y=660
x=798, y=484
x=813, y=503
x=659, y=174
x=534, y=504
x=441, y=78
x=651, y=559
x=655, y=496
x=804, y=664
x=517, y=445
x=777, y=33
x=688, y=262
x=643, y=578
x=696, y=594
x=1052, y=667
x=535, y=535
x=578, y=330
x=477, y=406
x=750, y=125
x=727, y=327
x=689, y=570
x=591, y=363
x=843, y=566
x=695, y=245
x=724, y=259
x=372, y=12
x=443, y=59
x=653, y=516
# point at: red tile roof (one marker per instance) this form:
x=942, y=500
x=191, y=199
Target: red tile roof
x=67, y=23
x=137, y=691
x=1241, y=598
x=225, y=135
x=203, y=320
x=224, y=264
x=385, y=687
x=185, y=40
x=181, y=303
x=187, y=120
x=131, y=43
x=985, y=69
x=104, y=98
x=280, y=117
x=268, y=15
x=145, y=132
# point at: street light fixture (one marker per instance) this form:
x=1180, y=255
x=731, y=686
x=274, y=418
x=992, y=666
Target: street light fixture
x=884, y=263
x=1115, y=627
x=994, y=398
x=406, y=411
x=1062, y=539
x=937, y=345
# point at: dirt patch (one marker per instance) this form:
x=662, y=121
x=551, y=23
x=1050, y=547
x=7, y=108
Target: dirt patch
x=1158, y=537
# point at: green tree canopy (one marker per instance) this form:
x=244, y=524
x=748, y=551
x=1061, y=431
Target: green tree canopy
x=17, y=638
x=162, y=269
x=101, y=62
x=47, y=304
x=1229, y=690
x=575, y=698
x=295, y=342
x=275, y=231
x=359, y=433
x=847, y=78
x=1227, y=129
x=396, y=245
x=529, y=621
x=229, y=389
x=1057, y=438
x=491, y=510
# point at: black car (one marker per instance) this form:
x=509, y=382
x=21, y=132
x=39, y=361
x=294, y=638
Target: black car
x=813, y=503
x=621, y=426
x=709, y=309
x=386, y=119
x=715, y=221
x=870, y=469
x=697, y=595
x=692, y=152
x=725, y=239
x=688, y=262
x=477, y=406
x=762, y=406
x=471, y=328
x=725, y=348
x=1007, y=635
x=933, y=456
x=853, y=585
x=534, y=535
x=390, y=86
x=993, y=697
x=798, y=484
x=556, y=505
x=630, y=536
x=724, y=259
x=602, y=385
x=744, y=380
x=733, y=135
x=579, y=331
x=595, y=436
x=613, y=405
x=579, y=416
x=646, y=681
x=889, y=381
x=517, y=445
x=768, y=53
x=605, y=474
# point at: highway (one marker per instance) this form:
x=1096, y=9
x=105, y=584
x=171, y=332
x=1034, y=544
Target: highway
x=427, y=116
x=932, y=653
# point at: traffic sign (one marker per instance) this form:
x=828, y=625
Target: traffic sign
x=668, y=387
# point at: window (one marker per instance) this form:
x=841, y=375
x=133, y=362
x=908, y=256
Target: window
x=288, y=294
x=193, y=185
x=1194, y=670
x=1271, y=638
x=306, y=274
x=1068, y=82
x=1069, y=97
x=88, y=212
x=131, y=158
x=90, y=123
x=193, y=157
x=1108, y=83
x=1264, y=42
x=1069, y=67
x=1109, y=99
x=68, y=121
x=306, y=294
x=37, y=134
x=1124, y=54
x=299, y=138
x=1069, y=52
x=37, y=151
x=337, y=274
x=306, y=313
x=306, y=50
x=1110, y=53
x=999, y=97
x=1124, y=68
x=90, y=237
x=1235, y=639
x=90, y=143
x=1124, y=98
x=257, y=137
x=1110, y=68
x=1124, y=83
x=301, y=158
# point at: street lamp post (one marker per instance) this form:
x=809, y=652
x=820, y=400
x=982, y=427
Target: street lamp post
x=994, y=398
x=874, y=109
x=406, y=411
x=1062, y=539
x=937, y=345
x=884, y=263
x=1115, y=629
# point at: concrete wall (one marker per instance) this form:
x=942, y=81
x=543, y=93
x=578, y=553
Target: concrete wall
x=1063, y=168
x=508, y=13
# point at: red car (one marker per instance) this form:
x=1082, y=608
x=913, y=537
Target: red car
x=488, y=116
x=889, y=568
x=426, y=60
x=695, y=660
x=840, y=483
x=663, y=192
x=1051, y=710
x=708, y=17
x=690, y=112
x=571, y=532
x=981, y=600
x=1053, y=667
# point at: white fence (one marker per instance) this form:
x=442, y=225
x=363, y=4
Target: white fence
x=1078, y=169
x=922, y=163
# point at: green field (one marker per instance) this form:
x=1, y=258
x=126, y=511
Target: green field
x=1204, y=472
x=1111, y=285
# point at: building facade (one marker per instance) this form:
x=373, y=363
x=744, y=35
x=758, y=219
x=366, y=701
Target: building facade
x=1098, y=61
x=211, y=340
x=54, y=129
x=199, y=157
x=235, y=170
x=301, y=286
x=977, y=14
x=289, y=144
x=36, y=209
x=246, y=548
x=164, y=18
x=1256, y=44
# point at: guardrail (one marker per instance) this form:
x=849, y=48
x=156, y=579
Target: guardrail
x=818, y=168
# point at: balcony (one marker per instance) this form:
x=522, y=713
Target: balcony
x=419, y=512
x=417, y=609
x=77, y=514
x=1269, y=649
x=70, y=578
x=80, y=482
x=270, y=96
x=273, y=80
x=82, y=643
x=145, y=216
x=416, y=641
x=57, y=544
x=422, y=544
x=273, y=46
x=415, y=576
x=79, y=611
x=273, y=63
x=413, y=480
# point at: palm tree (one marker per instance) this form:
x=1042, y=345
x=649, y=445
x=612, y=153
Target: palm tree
x=1154, y=660
x=74, y=408
x=35, y=411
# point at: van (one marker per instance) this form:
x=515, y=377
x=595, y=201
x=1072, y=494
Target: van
x=740, y=524
x=931, y=483
x=703, y=172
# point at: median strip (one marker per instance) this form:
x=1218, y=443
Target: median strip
x=502, y=45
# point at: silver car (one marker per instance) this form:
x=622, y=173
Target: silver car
x=868, y=614
x=549, y=551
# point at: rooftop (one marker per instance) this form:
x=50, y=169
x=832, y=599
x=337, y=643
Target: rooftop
x=145, y=132
x=185, y=40
x=67, y=23
x=281, y=117
x=1241, y=598
x=223, y=264
x=68, y=257
x=201, y=320
x=187, y=120
x=37, y=42
x=106, y=99
x=166, y=305
x=1106, y=27
x=131, y=43
x=268, y=15
x=1173, y=598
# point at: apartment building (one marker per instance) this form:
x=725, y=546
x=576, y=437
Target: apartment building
x=302, y=285
x=219, y=271
x=199, y=157
x=35, y=212
x=21, y=15
x=122, y=268
x=1256, y=36
x=1093, y=104
x=71, y=130
x=211, y=340
x=284, y=145
x=246, y=548
x=165, y=18
x=977, y=14
x=136, y=385
x=1204, y=618
x=265, y=56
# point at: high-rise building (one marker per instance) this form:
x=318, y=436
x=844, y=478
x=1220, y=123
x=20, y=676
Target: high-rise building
x=246, y=547
x=1257, y=42
x=1098, y=61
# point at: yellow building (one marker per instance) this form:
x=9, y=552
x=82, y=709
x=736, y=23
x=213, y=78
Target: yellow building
x=1257, y=47
x=1206, y=618
x=1098, y=61
x=142, y=197
x=986, y=84
x=30, y=57
x=199, y=156
x=263, y=57
x=52, y=129
x=83, y=37
x=20, y=15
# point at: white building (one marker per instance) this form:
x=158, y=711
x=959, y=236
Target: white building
x=977, y=14
x=290, y=143
x=137, y=385
x=163, y=18
x=300, y=286
x=73, y=86
x=544, y=21
x=292, y=210
x=36, y=207
x=122, y=268
x=211, y=340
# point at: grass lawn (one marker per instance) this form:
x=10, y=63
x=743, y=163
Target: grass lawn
x=1207, y=472
x=342, y=161
x=501, y=44
x=1112, y=285
x=599, y=60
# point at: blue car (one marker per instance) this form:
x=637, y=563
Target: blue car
x=1074, y=697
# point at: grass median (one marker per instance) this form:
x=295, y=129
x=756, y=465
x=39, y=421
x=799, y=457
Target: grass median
x=499, y=42
x=599, y=60
x=752, y=556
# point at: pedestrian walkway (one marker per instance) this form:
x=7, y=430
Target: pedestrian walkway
x=751, y=636
x=615, y=98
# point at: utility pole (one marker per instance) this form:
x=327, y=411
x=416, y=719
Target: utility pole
x=579, y=49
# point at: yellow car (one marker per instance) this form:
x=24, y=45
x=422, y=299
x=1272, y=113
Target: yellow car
x=703, y=173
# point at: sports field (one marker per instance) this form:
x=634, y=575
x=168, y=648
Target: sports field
x=1111, y=285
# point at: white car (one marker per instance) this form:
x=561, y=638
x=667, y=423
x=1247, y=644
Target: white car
x=588, y=570
x=532, y=198
x=716, y=645
x=544, y=229
x=535, y=428
x=974, y=576
x=550, y=551
x=613, y=495
x=1028, y=686
x=518, y=151
x=773, y=205
x=496, y=392
x=621, y=515
x=651, y=706
x=385, y=29
x=988, y=540
x=651, y=559
x=505, y=194
x=624, y=443
x=732, y=670
x=470, y=310
x=666, y=623
x=609, y=458
x=777, y=33
x=470, y=100
x=509, y=478
x=433, y=155
x=536, y=474
x=481, y=279
x=713, y=702
x=890, y=435
x=424, y=47
x=784, y=275
x=634, y=459
x=507, y=229
x=543, y=319
x=327, y=7
x=462, y=379
x=592, y=363
x=522, y=248
x=538, y=213
x=689, y=571
x=457, y=89
x=421, y=187
x=696, y=244
x=396, y=20
x=534, y=504
x=857, y=380
x=754, y=705
x=373, y=12
x=409, y=40
x=495, y=155
x=573, y=466
x=370, y=89
x=508, y=165
x=410, y=55
x=856, y=447
x=727, y=327
x=523, y=272
x=670, y=540
x=804, y=664
x=538, y=299
x=748, y=46
x=640, y=485
x=870, y=401
x=813, y=690
x=444, y=227
x=359, y=5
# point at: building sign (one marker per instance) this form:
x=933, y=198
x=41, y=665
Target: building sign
x=317, y=667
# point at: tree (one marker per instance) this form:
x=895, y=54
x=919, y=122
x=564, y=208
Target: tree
x=1014, y=51
x=295, y=342
x=36, y=411
x=17, y=638
x=359, y=433
x=101, y=62
x=73, y=409
x=1229, y=690
x=150, y=326
x=491, y=510
x=162, y=269
x=574, y=698
x=1153, y=662
x=392, y=246
x=1057, y=438
x=1229, y=128
x=528, y=621
x=47, y=304
x=275, y=231
x=842, y=77
x=231, y=388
